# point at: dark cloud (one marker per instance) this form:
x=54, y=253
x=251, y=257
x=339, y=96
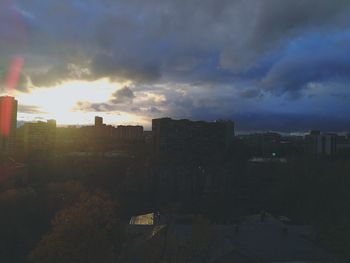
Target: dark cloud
x=251, y=93
x=341, y=96
x=287, y=122
x=324, y=62
x=275, y=23
x=277, y=20
x=122, y=67
x=22, y=83
x=123, y=95
x=119, y=99
x=154, y=110
x=200, y=55
x=50, y=76
x=95, y=107
x=147, y=41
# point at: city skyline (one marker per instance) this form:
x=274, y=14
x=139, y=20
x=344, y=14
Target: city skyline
x=148, y=126
x=171, y=131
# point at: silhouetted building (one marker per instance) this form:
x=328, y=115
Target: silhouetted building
x=185, y=137
x=102, y=137
x=39, y=138
x=148, y=137
x=8, y=124
x=129, y=133
x=264, y=144
x=101, y=131
x=343, y=145
x=98, y=121
x=321, y=144
x=315, y=133
x=122, y=133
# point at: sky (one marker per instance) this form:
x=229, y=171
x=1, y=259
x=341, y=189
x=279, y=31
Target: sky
x=267, y=65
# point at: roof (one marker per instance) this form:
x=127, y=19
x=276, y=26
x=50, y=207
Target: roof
x=269, y=240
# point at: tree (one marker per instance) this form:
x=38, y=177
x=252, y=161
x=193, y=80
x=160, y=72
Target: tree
x=87, y=231
x=20, y=221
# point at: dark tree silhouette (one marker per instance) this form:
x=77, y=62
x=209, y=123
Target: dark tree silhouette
x=87, y=231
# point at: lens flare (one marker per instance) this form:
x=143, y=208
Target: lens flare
x=6, y=104
x=5, y=116
x=14, y=73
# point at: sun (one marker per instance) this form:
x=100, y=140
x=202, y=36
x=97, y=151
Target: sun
x=59, y=102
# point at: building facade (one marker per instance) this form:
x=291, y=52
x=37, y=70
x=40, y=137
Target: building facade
x=8, y=124
x=39, y=137
x=321, y=143
x=129, y=133
x=190, y=137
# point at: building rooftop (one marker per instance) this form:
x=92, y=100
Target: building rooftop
x=256, y=239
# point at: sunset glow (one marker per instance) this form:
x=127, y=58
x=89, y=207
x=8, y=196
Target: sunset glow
x=60, y=103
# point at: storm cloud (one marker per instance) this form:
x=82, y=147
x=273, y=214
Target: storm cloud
x=123, y=95
x=207, y=58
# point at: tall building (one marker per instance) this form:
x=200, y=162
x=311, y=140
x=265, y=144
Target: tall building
x=39, y=138
x=129, y=133
x=101, y=130
x=185, y=137
x=98, y=121
x=8, y=124
x=321, y=144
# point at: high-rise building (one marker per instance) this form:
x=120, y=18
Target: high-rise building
x=129, y=133
x=185, y=137
x=40, y=137
x=98, y=121
x=100, y=131
x=321, y=144
x=8, y=124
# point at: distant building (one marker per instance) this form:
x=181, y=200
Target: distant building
x=8, y=124
x=264, y=144
x=121, y=133
x=100, y=131
x=39, y=137
x=98, y=121
x=148, y=137
x=343, y=145
x=321, y=143
x=103, y=137
x=190, y=137
x=129, y=133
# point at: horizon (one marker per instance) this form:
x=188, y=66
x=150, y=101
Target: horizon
x=148, y=127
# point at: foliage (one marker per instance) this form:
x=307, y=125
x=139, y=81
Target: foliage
x=20, y=223
x=87, y=231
